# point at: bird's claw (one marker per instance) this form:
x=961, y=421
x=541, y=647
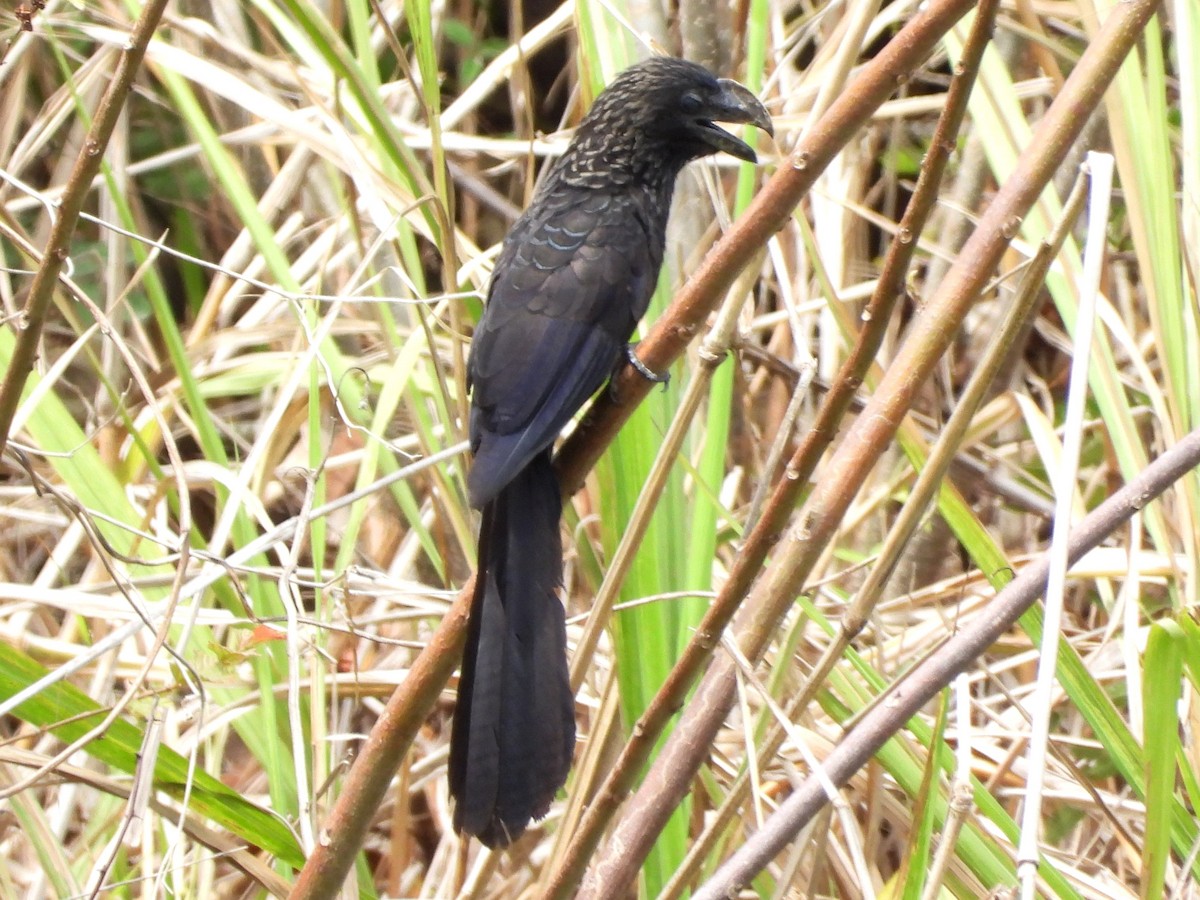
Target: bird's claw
x=644, y=370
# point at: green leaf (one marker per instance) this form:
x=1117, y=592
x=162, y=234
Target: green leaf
x=69, y=714
x=1162, y=688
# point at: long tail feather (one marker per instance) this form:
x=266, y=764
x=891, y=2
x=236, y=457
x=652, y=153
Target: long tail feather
x=514, y=726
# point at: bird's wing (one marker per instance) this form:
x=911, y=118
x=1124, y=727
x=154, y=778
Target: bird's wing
x=566, y=294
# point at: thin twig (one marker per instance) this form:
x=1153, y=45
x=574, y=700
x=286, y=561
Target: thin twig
x=58, y=248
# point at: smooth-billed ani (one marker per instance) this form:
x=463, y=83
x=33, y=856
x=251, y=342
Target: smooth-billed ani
x=574, y=277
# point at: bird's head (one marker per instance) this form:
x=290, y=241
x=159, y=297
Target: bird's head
x=667, y=109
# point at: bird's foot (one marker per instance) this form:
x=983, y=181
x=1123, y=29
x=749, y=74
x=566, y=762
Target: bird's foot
x=644, y=370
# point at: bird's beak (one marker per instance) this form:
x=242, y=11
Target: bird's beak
x=739, y=105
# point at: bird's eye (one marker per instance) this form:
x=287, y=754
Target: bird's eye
x=690, y=102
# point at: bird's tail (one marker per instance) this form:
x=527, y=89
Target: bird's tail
x=514, y=726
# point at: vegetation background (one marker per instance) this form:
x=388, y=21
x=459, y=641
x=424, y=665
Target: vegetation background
x=233, y=499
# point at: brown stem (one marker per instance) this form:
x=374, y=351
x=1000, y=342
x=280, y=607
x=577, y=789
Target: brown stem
x=362, y=793
x=79, y=184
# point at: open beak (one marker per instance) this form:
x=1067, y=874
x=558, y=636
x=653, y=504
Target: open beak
x=735, y=104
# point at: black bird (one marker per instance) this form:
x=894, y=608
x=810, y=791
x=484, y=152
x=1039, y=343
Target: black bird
x=574, y=277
